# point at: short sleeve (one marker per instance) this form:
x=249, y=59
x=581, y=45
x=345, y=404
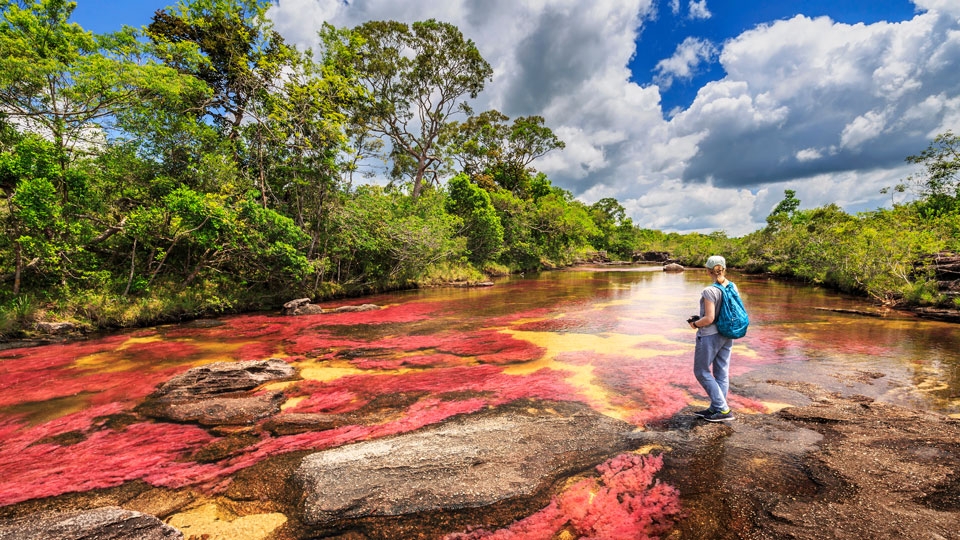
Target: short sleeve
x=712, y=294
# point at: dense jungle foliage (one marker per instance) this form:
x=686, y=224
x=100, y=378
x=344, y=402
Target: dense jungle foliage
x=202, y=164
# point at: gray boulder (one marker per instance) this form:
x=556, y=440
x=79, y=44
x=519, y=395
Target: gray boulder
x=225, y=378
x=498, y=457
x=217, y=411
x=107, y=523
x=673, y=267
x=56, y=327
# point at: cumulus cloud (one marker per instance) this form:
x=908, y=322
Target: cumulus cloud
x=698, y=10
x=825, y=108
x=875, y=92
x=685, y=60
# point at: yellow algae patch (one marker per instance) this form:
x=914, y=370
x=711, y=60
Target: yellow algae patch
x=280, y=385
x=773, y=406
x=954, y=415
x=113, y=361
x=292, y=402
x=647, y=448
x=211, y=522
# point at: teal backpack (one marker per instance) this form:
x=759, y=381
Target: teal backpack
x=732, y=321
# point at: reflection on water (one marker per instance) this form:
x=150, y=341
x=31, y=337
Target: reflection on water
x=612, y=338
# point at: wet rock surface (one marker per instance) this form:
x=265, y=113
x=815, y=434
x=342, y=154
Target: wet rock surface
x=98, y=524
x=302, y=306
x=292, y=423
x=225, y=378
x=482, y=460
x=218, y=411
x=840, y=467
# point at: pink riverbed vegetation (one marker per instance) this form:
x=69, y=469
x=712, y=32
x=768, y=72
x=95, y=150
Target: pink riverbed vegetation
x=624, y=502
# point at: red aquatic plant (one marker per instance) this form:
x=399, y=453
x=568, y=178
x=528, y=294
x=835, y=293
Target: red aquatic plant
x=30, y=468
x=625, y=502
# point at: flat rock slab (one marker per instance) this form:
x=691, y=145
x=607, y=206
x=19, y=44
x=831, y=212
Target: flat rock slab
x=470, y=462
x=225, y=378
x=292, y=423
x=107, y=523
x=218, y=411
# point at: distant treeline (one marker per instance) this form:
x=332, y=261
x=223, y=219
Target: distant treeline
x=202, y=164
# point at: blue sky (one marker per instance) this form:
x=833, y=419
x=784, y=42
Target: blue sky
x=661, y=34
x=695, y=123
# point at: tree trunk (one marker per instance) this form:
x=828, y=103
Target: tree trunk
x=19, y=270
x=133, y=260
x=418, y=179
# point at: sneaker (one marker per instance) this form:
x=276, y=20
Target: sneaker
x=704, y=413
x=719, y=416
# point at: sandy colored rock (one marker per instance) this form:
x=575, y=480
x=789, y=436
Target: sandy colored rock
x=105, y=523
x=673, y=267
x=56, y=327
x=292, y=423
x=225, y=378
x=353, y=309
x=474, y=461
x=215, y=411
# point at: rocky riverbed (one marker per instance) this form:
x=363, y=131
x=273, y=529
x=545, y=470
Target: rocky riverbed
x=834, y=466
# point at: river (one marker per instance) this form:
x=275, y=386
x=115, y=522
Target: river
x=611, y=337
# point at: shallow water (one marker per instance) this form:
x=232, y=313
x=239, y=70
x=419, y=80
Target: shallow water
x=614, y=338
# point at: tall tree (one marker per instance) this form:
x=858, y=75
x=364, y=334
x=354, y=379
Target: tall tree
x=419, y=75
x=242, y=54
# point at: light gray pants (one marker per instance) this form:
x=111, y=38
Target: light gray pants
x=713, y=350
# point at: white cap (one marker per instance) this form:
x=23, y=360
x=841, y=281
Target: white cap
x=714, y=260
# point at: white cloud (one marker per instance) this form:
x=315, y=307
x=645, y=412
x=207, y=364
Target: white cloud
x=698, y=10
x=675, y=6
x=947, y=6
x=863, y=128
x=809, y=154
x=685, y=60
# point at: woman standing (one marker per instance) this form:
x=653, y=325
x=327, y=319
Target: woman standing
x=713, y=349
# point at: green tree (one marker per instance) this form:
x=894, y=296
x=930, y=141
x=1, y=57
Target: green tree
x=419, y=75
x=939, y=183
x=494, y=152
x=481, y=224
x=61, y=80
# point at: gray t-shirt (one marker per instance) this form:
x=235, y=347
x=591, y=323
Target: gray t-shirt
x=714, y=295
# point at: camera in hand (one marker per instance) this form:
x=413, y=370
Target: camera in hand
x=694, y=318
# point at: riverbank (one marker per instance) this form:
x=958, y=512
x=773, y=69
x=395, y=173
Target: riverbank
x=30, y=320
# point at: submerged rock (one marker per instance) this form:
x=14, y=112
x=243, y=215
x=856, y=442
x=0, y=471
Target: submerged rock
x=292, y=423
x=218, y=411
x=479, y=460
x=224, y=378
x=354, y=309
x=107, y=523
